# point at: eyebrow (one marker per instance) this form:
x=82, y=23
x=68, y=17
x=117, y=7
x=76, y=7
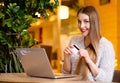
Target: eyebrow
x=84, y=20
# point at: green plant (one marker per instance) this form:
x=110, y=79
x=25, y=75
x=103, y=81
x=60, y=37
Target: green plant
x=16, y=17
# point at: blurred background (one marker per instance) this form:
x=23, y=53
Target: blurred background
x=55, y=32
x=52, y=28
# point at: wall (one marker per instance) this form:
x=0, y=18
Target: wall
x=118, y=30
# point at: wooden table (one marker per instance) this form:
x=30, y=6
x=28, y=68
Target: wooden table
x=23, y=78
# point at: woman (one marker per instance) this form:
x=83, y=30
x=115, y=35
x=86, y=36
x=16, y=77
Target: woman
x=95, y=59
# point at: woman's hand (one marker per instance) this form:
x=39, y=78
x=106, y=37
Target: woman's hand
x=67, y=51
x=84, y=54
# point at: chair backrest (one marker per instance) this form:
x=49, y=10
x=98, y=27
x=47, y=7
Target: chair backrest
x=48, y=50
x=116, y=76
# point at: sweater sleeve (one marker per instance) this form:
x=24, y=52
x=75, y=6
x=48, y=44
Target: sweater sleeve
x=106, y=65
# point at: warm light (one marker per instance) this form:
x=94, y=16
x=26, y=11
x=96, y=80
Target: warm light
x=37, y=14
x=2, y=4
x=64, y=12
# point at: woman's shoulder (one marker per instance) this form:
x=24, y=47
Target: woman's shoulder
x=104, y=42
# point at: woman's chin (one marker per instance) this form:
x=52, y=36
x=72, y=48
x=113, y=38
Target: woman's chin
x=84, y=34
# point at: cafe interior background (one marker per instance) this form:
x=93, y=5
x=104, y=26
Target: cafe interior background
x=55, y=32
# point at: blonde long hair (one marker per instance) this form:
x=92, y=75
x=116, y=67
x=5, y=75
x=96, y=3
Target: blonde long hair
x=94, y=35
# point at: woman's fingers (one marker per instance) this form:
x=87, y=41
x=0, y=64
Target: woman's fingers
x=68, y=50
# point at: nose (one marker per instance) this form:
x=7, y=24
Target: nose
x=81, y=25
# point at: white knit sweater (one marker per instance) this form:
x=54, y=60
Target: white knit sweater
x=105, y=62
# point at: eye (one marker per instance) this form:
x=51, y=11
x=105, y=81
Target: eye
x=86, y=21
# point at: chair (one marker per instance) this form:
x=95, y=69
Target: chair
x=116, y=76
x=48, y=50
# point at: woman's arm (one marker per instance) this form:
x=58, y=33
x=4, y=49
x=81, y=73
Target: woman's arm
x=67, y=62
x=91, y=65
x=104, y=71
x=107, y=64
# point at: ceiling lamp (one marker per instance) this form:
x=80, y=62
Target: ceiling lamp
x=64, y=12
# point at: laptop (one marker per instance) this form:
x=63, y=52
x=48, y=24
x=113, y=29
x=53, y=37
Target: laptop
x=36, y=63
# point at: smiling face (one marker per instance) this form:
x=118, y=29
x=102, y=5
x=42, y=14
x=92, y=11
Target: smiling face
x=84, y=23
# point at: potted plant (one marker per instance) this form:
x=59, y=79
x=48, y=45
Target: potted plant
x=16, y=17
